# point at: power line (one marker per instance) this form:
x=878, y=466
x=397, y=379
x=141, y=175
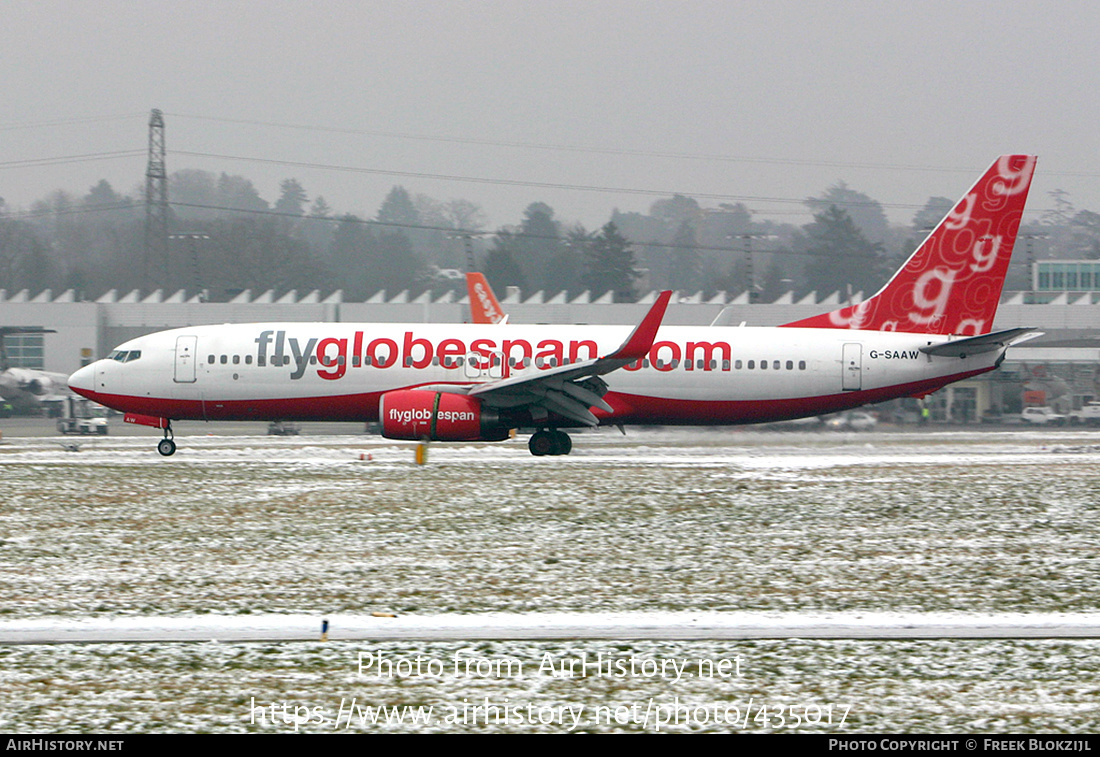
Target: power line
x=67, y=122
x=353, y=219
x=62, y=159
x=516, y=144
x=535, y=184
x=75, y=210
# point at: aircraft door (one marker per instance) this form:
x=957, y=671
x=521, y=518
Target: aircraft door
x=472, y=365
x=186, y=347
x=479, y=366
x=852, y=365
x=497, y=366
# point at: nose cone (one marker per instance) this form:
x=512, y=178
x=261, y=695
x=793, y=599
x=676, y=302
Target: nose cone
x=83, y=381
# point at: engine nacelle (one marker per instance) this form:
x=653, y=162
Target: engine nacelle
x=417, y=414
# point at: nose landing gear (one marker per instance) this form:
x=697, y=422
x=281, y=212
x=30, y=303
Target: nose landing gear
x=549, y=442
x=167, y=446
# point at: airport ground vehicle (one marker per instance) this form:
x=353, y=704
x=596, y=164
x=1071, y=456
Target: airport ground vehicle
x=854, y=420
x=80, y=416
x=1089, y=414
x=1042, y=416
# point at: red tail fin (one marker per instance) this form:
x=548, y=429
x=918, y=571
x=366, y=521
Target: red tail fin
x=952, y=283
x=484, y=307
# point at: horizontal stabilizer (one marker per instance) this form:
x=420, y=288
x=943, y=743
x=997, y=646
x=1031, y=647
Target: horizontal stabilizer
x=976, y=345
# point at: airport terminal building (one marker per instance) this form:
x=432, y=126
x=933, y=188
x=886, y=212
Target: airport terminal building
x=1060, y=369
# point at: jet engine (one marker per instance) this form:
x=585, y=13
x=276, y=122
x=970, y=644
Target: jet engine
x=417, y=414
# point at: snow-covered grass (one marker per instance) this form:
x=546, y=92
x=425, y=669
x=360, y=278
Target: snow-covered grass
x=863, y=686
x=653, y=522
x=246, y=525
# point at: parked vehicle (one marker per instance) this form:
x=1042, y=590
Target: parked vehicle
x=1089, y=414
x=1042, y=416
x=282, y=428
x=855, y=420
x=80, y=416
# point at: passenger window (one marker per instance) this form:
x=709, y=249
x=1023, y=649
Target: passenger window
x=236, y=360
x=790, y=365
x=775, y=365
x=210, y=359
x=248, y=360
x=225, y=359
x=801, y=365
x=737, y=365
x=763, y=365
x=752, y=364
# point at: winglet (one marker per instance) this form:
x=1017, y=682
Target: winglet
x=639, y=342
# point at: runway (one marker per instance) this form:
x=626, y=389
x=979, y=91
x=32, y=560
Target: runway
x=687, y=626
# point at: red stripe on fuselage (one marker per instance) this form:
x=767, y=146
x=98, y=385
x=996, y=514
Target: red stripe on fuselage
x=628, y=408
x=642, y=410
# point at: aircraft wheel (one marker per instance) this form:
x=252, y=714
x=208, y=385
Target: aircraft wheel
x=166, y=447
x=563, y=444
x=541, y=443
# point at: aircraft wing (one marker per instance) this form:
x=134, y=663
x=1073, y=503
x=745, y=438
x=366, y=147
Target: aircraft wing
x=570, y=390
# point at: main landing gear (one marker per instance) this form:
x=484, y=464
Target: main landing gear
x=167, y=446
x=549, y=442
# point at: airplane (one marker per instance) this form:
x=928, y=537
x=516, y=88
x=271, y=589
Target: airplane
x=929, y=326
x=24, y=389
x=484, y=307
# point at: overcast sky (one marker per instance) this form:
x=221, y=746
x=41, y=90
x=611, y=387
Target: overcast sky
x=778, y=100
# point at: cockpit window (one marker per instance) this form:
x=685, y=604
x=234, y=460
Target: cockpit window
x=124, y=356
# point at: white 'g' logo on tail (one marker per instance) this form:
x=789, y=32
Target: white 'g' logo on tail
x=856, y=317
x=985, y=253
x=960, y=217
x=1011, y=182
x=931, y=309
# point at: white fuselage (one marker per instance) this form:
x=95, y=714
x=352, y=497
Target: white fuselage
x=337, y=371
